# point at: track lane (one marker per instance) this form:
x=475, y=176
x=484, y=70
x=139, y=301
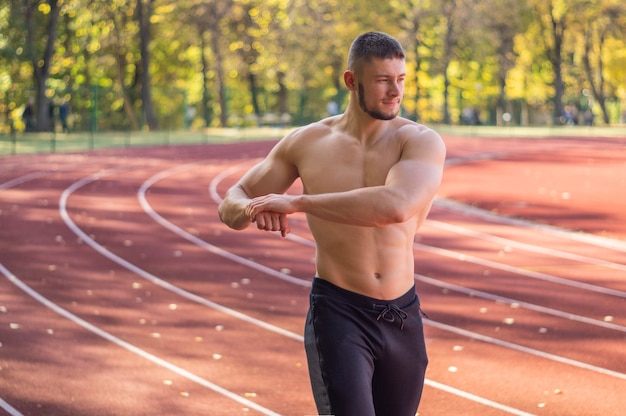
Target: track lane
x=124, y=313
x=271, y=256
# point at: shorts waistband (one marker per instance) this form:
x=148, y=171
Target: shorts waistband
x=324, y=287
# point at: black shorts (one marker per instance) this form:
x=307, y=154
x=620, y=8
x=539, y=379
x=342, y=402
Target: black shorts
x=366, y=357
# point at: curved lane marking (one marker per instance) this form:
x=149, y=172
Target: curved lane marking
x=294, y=237
x=591, y=239
x=9, y=409
x=130, y=347
x=468, y=232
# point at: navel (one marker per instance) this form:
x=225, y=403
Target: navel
x=377, y=276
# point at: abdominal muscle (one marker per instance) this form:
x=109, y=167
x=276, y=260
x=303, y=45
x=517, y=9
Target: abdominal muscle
x=372, y=261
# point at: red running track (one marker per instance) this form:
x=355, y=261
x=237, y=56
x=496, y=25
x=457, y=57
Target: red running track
x=122, y=294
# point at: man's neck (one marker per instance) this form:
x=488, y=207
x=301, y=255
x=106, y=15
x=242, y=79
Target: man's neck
x=362, y=126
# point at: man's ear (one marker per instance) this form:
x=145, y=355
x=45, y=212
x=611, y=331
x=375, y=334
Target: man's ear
x=349, y=80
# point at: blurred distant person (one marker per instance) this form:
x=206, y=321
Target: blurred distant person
x=64, y=112
x=52, y=123
x=28, y=116
x=588, y=117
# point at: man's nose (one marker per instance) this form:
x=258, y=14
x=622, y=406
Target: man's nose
x=394, y=88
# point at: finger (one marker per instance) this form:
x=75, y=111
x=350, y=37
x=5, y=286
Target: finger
x=260, y=221
x=284, y=226
x=276, y=223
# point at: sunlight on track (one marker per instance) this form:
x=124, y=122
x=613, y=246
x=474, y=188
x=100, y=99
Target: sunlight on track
x=142, y=273
x=609, y=243
x=111, y=338
x=491, y=340
x=529, y=247
x=432, y=250
x=135, y=350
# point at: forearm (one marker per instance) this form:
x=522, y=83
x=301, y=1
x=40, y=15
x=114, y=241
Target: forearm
x=369, y=207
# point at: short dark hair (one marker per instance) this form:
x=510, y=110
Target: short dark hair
x=373, y=45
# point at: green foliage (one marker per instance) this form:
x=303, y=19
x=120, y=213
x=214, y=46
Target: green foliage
x=247, y=62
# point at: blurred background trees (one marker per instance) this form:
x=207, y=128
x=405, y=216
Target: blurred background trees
x=170, y=64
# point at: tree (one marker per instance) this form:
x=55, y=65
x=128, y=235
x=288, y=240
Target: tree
x=500, y=22
x=454, y=16
x=553, y=15
x=144, y=13
x=413, y=15
x=41, y=18
x=252, y=57
x=209, y=18
x=598, y=23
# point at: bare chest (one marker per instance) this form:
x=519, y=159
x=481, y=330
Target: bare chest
x=341, y=168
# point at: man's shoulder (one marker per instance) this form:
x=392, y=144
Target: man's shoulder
x=413, y=131
x=321, y=127
x=300, y=136
x=420, y=138
x=302, y=141
x=406, y=126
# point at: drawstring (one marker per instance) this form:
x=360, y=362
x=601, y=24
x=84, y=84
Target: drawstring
x=390, y=312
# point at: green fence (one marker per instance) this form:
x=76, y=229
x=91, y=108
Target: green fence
x=30, y=143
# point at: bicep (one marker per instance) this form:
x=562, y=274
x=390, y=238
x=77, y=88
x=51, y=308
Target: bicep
x=419, y=171
x=274, y=174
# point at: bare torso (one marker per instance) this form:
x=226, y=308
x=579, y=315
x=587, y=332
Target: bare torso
x=373, y=261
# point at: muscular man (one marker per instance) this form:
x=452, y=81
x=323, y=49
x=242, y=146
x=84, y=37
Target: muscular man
x=369, y=179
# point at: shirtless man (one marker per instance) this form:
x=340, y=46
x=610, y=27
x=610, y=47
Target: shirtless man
x=369, y=179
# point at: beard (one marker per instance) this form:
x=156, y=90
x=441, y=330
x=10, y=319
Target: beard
x=378, y=115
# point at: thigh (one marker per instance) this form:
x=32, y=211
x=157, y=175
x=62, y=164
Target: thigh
x=340, y=356
x=399, y=376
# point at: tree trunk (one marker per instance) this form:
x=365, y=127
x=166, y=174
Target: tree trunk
x=446, y=96
x=207, y=112
x=128, y=106
x=597, y=88
x=41, y=65
x=254, y=95
x=219, y=70
x=144, y=12
x=558, y=32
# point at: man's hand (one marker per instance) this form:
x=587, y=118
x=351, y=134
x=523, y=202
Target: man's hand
x=279, y=203
x=270, y=212
x=272, y=221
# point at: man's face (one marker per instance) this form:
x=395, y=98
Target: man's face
x=381, y=86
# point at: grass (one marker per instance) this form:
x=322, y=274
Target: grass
x=34, y=143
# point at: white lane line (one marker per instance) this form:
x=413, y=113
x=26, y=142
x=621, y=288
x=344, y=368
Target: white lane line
x=462, y=257
x=519, y=271
x=68, y=315
x=595, y=240
x=165, y=285
x=143, y=201
x=475, y=398
x=9, y=409
x=526, y=305
x=465, y=333
x=490, y=296
x=524, y=246
x=523, y=349
x=23, y=179
x=130, y=347
x=150, y=277
x=294, y=237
